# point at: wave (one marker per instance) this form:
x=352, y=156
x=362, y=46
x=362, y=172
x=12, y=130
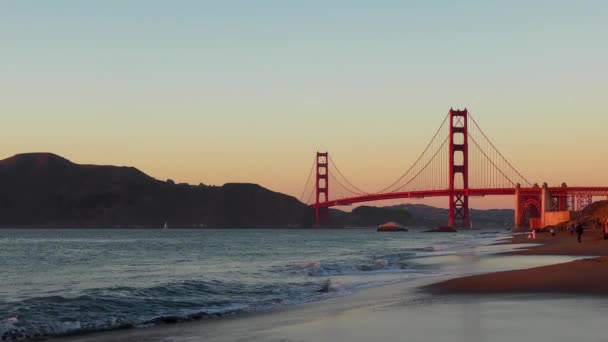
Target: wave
x=259, y=288
x=128, y=307
x=124, y=307
x=375, y=262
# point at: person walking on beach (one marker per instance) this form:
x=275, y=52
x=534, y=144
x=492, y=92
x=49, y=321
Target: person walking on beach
x=532, y=234
x=552, y=231
x=572, y=229
x=579, y=232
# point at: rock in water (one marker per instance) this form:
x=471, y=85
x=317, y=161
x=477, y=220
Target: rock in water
x=391, y=227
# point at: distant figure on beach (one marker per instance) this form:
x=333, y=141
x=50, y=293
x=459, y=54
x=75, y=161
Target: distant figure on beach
x=572, y=229
x=532, y=234
x=552, y=230
x=579, y=232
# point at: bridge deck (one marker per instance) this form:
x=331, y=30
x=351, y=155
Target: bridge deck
x=557, y=191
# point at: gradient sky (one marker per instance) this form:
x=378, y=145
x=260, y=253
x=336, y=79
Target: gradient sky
x=247, y=91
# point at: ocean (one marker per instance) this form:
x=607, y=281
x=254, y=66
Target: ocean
x=57, y=282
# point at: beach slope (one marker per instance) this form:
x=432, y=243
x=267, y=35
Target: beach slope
x=585, y=276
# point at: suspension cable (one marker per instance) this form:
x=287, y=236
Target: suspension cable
x=500, y=154
x=423, y=168
x=312, y=191
x=314, y=161
x=346, y=179
x=490, y=160
x=419, y=158
x=342, y=185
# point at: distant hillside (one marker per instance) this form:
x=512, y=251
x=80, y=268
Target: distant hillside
x=46, y=190
x=427, y=215
x=366, y=216
x=594, y=213
x=419, y=215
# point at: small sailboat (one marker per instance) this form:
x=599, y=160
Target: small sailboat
x=166, y=226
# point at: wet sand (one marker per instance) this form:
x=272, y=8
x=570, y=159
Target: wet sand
x=563, y=244
x=586, y=276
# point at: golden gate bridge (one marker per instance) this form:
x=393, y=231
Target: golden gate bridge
x=459, y=162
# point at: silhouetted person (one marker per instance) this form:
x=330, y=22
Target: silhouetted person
x=552, y=232
x=579, y=232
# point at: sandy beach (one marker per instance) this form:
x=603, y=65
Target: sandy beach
x=585, y=276
x=536, y=303
x=562, y=244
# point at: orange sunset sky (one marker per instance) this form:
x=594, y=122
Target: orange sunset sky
x=215, y=94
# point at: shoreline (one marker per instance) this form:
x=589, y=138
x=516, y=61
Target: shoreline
x=255, y=325
x=584, y=276
x=311, y=321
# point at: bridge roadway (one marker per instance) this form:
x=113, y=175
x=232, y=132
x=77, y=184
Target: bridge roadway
x=481, y=192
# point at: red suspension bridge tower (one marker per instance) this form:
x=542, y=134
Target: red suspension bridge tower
x=322, y=188
x=459, y=168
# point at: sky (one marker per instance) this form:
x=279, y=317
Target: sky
x=248, y=91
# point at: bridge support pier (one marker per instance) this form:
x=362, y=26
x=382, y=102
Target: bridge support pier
x=459, y=169
x=545, y=201
x=548, y=206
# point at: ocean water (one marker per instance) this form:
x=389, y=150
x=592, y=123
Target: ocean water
x=62, y=282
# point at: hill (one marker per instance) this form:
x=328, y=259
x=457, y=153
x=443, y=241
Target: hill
x=431, y=216
x=366, y=216
x=419, y=215
x=46, y=190
x=592, y=216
